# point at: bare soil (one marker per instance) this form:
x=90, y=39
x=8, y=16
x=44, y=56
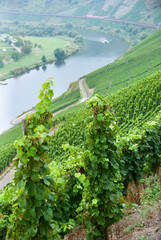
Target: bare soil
x=142, y=223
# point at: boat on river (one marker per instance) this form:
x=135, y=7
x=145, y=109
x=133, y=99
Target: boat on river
x=104, y=41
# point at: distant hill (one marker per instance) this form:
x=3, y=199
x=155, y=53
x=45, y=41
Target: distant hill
x=134, y=10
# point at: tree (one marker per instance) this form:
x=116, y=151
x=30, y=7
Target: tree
x=68, y=26
x=72, y=34
x=135, y=31
x=26, y=49
x=43, y=59
x=78, y=39
x=19, y=43
x=15, y=56
x=9, y=42
x=28, y=43
x=44, y=68
x=59, y=53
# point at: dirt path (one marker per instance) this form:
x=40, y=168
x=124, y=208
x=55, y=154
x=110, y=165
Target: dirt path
x=85, y=92
x=20, y=118
x=17, y=48
x=8, y=174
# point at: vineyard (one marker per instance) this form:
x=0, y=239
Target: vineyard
x=84, y=186
x=139, y=102
x=137, y=63
x=66, y=99
x=133, y=107
x=79, y=176
x=7, y=149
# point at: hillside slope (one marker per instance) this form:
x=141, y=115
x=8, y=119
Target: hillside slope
x=134, y=105
x=137, y=63
x=134, y=10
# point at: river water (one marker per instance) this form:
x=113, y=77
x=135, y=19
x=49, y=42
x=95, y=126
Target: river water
x=21, y=93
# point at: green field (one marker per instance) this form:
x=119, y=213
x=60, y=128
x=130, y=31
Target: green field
x=48, y=45
x=5, y=50
x=4, y=45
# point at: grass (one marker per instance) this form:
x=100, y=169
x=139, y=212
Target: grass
x=4, y=45
x=136, y=13
x=114, y=10
x=6, y=55
x=49, y=44
x=65, y=100
x=11, y=135
x=82, y=10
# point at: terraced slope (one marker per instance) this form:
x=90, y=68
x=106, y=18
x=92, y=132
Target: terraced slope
x=7, y=149
x=133, y=107
x=137, y=63
x=138, y=103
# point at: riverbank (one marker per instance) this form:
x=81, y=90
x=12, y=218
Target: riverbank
x=130, y=34
x=23, y=91
x=2, y=83
x=33, y=60
x=85, y=91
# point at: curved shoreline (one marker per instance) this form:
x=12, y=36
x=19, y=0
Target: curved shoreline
x=3, y=82
x=86, y=92
x=28, y=68
x=19, y=119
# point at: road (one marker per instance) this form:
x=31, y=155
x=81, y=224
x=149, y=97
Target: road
x=138, y=24
x=18, y=49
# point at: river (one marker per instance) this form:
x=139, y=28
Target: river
x=21, y=93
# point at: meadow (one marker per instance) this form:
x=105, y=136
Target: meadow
x=45, y=46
